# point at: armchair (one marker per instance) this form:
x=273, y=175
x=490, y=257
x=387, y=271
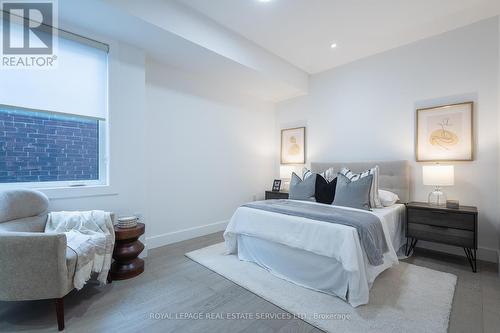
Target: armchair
x=34, y=265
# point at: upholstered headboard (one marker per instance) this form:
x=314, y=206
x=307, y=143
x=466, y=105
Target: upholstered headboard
x=394, y=175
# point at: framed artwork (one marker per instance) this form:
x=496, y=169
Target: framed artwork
x=444, y=133
x=293, y=145
x=276, y=185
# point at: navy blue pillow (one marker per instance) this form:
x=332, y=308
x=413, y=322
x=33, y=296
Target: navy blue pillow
x=325, y=191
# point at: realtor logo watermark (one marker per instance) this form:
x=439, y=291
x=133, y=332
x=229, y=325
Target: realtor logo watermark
x=29, y=34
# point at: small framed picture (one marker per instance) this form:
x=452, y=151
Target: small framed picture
x=276, y=185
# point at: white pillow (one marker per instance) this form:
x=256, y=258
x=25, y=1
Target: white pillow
x=387, y=198
x=328, y=174
x=306, y=173
x=374, y=199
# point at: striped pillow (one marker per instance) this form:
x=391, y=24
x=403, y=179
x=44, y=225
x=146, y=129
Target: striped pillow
x=374, y=197
x=306, y=173
x=328, y=174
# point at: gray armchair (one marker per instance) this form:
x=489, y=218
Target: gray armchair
x=34, y=265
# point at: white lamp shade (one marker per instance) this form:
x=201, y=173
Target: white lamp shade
x=286, y=171
x=438, y=175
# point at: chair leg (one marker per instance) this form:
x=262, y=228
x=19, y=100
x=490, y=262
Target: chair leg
x=60, y=313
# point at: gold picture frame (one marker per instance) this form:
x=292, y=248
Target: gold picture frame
x=293, y=145
x=445, y=133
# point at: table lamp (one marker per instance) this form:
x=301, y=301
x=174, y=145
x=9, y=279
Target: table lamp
x=286, y=175
x=437, y=176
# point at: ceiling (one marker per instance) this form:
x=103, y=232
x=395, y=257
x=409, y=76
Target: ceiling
x=172, y=37
x=301, y=31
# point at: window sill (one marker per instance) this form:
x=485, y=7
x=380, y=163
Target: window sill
x=61, y=193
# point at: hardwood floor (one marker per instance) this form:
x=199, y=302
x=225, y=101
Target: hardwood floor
x=173, y=284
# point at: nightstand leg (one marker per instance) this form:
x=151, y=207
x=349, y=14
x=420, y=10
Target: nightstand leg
x=471, y=257
x=412, y=242
x=475, y=261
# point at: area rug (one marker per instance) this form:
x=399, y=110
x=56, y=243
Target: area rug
x=405, y=298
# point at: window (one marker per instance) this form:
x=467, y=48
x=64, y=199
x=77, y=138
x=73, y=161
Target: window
x=45, y=147
x=53, y=122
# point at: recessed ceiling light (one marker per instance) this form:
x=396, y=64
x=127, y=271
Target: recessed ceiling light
x=333, y=45
x=264, y=0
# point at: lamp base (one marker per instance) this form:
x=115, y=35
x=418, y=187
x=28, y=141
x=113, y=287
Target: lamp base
x=437, y=197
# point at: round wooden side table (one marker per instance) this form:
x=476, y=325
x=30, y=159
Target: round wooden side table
x=127, y=248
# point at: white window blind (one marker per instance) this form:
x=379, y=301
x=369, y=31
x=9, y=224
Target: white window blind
x=77, y=85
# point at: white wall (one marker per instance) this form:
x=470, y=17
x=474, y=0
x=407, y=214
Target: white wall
x=365, y=110
x=207, y=152
x=127, y=178
x=183, y=153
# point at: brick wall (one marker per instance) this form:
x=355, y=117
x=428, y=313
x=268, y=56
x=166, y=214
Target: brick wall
x=39, y=147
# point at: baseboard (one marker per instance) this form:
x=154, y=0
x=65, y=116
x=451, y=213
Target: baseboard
x=483, y=253
x=184, y=234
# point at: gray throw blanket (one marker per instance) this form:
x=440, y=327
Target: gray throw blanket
x=368, y=226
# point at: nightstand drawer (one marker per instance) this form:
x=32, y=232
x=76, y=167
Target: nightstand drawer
x=459, y=237
x=441, y=218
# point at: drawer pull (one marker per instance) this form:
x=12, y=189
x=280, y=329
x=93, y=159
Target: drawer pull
x=439, y=212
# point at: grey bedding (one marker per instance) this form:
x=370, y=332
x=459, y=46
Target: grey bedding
x=368, y=226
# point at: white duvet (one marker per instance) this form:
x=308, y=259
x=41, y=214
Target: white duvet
x=336, y=241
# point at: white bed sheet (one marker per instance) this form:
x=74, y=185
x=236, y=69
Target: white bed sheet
x=334, y=249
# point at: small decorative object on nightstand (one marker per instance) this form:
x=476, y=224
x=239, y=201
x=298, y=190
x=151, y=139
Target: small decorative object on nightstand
x=442, y=225
x=276, y=195
x=126, y=252
x=453, y=204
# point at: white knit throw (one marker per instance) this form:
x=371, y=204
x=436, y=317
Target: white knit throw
x=92, y=237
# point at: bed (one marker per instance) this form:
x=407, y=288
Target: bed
x=327, y=257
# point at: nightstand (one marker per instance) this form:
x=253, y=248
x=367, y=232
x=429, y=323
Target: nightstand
x=443, y=225
x=276, y=195
x=126, y=252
